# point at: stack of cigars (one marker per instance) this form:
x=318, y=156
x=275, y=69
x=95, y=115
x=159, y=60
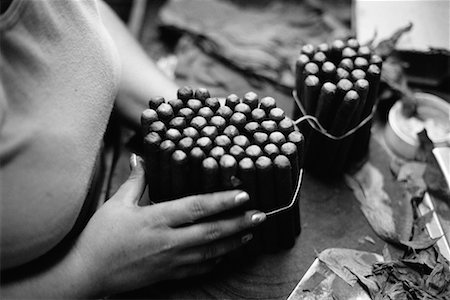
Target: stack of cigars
x=338, y=84
x=199, y=144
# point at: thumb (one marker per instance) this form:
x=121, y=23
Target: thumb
x=131, y=190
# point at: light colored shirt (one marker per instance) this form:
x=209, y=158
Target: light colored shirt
x=59, y=76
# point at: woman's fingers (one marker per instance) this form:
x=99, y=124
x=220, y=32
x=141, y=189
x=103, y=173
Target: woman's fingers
x=190, y=209
x=207, y=232
x=131, y=190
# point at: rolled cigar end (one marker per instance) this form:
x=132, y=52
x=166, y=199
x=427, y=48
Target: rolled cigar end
x=152, y=141
x=299, y=140
x=271, y=150
x=311, y=93
x=254, y=152
x=191, y=132
x=155, y=102
x=353, y=43
x=323, y=48
x=198, y=123
x=251, y=128
x=186, y=144
x=209, y=131
x=187, y=113
x=258, y=115
x=232, y=100
x=311, y=69
x=206, y=112
x=217, y=152
x=158, y=127
x=242, y=141
x=344, y=85
x=286, y=126
x=201, y=94
x=361, y=85
x=148, y=116
x=167, y=146
x=205, y=144
x=231, y=131
x=264, y=163
x=237, y=152
x=267, y=103
x=219, y=122
x=328, y=68
x=364, y=51
x=269, y=126
x=260, y=138
x=213, y=103
x=346, y=64
x=185, y=93
x=348, y=52
x=319, y=58
x=225, y=112
x=210, y=174
x=357, y=74
x=238, y=119
x=223, y=141
x=277, y=138
x=197, y=154
x=342, y=74
x=282, y=162
x=173, y=135
x=374, y=70
x=376, y=60
x=251, y=99
x=308, y=50
x=165, y=111
x=361, y=63
x=178, y=123
x=176, y=104
x=179, y=157
x=277, y=114
x=194, y=104
x=244, y=109
x=228, y=170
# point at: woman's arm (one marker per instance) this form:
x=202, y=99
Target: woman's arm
x=141, y=79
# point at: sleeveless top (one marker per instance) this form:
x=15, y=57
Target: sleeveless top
x=60, y=73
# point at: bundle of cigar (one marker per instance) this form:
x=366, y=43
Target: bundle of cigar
x=198, y=144
x=338, y=84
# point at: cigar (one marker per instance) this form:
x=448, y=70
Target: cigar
x=342, y=87
x=326, y=104
x=237, y=152
x=260, y=138
x=251, y=128
x=205, y=112
x=167, y=148
x=361, y=63
x=165, y=112
x=219, y=122
x=373, y=77
x=251, y=99
x=365, y=52
x=323, y=48
x=198, y=123
x=242, y=141
x=336, y=51
x=196, y=156
x=213, y=103
x=258, y=115
x=286, y=126
x=308, y=50
x=271, y=151
x=253, y=152
x=276, y=114
x=187, y=113
x=201, y=94
x=238, y=119
x=148, y=116
x=298, y=139
x=228, y=171
x=223, y=141
x=210, y=132
x=300, y=64
x=178, y=123
x=186, y=144
x=205, y=144
x=173, y=135
x=328, y=71
x=158, y=127
x=342, y=74
x=353, y=44
x=217, y=152
x=231, y=131
x=284, y=192
x=291, y=151
x=277, y=138
x=319, y=58
x=152, y=142
x=210, y=175
x=311, y=69
x=225, y=112
x=348, y=52
x=376, y=60
x=357, y=74
x=185, y=93
x=346, y=64
x=311, y=93
x=244, y=109
x=232, y=100
x=269, y=126
x=155, y=102
x=191, y=132
x=267, y=103
x=345, y=113
x=176, y=104
x=266, y=195
x=194, y=104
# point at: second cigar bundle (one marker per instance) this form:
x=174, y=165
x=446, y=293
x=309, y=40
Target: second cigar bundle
x=338, y=84
x=197, y=144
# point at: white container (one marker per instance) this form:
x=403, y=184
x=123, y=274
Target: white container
x=433, y=114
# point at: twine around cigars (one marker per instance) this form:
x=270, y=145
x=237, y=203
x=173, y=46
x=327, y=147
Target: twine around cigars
x=315, y=124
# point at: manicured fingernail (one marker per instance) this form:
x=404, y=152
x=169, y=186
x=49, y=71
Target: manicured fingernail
x=133, y=161
x=247, y=238
x=241, y=198
x=258, y=218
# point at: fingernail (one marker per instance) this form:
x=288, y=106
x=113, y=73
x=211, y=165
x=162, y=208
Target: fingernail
x=258, y=218
x=247, y=238
x=241, y=198
x=133, y=161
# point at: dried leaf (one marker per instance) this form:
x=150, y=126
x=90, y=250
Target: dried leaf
x=420, y=244
x=387, y=46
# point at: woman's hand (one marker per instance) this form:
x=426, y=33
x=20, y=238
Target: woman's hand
x=126, y=246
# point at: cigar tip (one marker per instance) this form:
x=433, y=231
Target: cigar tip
x=281, y=162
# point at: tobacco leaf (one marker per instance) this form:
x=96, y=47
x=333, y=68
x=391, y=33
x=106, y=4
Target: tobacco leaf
x=420, y=244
